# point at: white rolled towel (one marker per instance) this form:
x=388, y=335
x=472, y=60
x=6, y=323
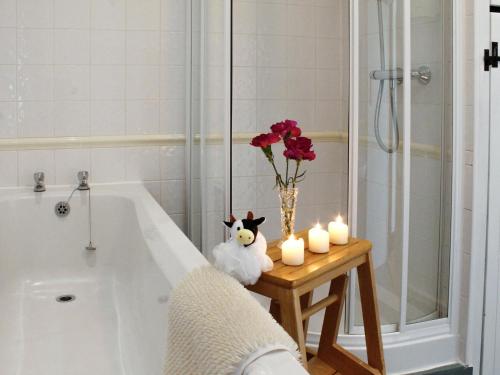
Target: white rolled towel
x=216, y=327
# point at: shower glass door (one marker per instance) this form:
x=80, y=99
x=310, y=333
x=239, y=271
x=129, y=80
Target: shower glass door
x=208, y=131
x=402, y=164
x=431, y=161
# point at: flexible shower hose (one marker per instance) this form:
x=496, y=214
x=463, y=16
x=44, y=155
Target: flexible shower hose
x=393, y=147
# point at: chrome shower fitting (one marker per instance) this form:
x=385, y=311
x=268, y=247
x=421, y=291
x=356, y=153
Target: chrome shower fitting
x=393, y=76
x=423, y=74
x=39, y=178
x=387, y=75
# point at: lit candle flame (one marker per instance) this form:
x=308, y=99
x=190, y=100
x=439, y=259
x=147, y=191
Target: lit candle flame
x=339, y=219
x=318, y=225
x=292, y=237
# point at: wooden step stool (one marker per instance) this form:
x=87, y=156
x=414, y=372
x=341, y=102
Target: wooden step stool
x=291, y=288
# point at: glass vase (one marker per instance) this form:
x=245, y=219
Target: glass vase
x=288, y=206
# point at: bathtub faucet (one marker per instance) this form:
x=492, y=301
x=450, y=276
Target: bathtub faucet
x=83, y=180
x=39, y=178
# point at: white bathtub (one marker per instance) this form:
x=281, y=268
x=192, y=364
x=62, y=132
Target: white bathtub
x=117, y=323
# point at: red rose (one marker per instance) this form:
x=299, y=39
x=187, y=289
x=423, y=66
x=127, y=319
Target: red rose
x=265, y=140
x=286, y=129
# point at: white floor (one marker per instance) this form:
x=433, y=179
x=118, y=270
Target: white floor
x=41, y=336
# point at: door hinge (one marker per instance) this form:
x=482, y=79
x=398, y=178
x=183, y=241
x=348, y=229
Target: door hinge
x=493, y=59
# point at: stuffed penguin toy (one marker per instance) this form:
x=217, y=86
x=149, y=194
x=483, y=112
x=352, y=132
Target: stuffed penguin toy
x=243, y=256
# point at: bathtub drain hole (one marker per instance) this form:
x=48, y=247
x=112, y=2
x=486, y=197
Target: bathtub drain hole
x=62, y=209
x=66, y=298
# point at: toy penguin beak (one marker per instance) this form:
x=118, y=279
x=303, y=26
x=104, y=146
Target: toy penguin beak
x=245, y=237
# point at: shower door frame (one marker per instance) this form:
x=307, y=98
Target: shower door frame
x=434, y=342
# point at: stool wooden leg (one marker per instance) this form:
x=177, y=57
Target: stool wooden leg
x=329, y=351
x=291, y=319
x=333, y=316
x=371, y=318
x=305, y=302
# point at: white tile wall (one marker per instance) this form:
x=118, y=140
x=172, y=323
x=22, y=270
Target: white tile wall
x=102, y=159
x=72, y=119
x=94, y=67
x=8, y=166
x=142, y=164
x=65, y=161
x=8, y=119
x=8, y=42
x=72, y=14
x=8, y=13
x=34, y=13
x=108, y=15
x=35, y=46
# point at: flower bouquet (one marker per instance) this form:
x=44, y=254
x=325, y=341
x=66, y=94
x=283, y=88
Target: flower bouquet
x=298, y=149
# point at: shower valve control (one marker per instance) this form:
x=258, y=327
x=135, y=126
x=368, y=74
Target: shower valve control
x=493, y=59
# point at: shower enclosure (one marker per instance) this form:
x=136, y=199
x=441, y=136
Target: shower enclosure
x=403, y=158
x=370, y=81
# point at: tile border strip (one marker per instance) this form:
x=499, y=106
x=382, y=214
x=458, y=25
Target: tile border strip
x=53, y=143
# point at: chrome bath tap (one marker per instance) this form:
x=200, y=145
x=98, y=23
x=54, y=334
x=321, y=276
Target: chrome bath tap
x=83, y=180
x=39, y=178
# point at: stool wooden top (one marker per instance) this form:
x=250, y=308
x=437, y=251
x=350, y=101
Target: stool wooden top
x=314, y=264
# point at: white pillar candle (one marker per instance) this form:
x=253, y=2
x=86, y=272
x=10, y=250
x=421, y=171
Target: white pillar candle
x=319, y=240
x=339, y=232
x=292, y=251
